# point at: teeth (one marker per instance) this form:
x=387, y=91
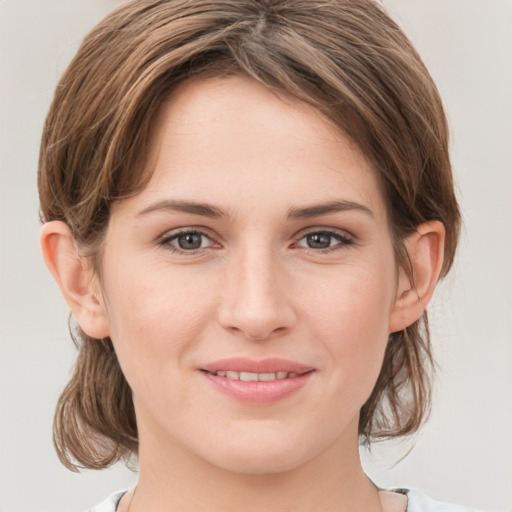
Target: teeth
x=266, y=376
x=246, y=376
x=255, y=377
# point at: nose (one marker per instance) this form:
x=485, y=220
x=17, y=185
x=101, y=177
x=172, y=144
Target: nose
x=256, y=296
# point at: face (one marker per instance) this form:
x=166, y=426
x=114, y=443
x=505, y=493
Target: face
x=248, y=288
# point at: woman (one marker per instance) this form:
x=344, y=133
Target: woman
x=247, y=207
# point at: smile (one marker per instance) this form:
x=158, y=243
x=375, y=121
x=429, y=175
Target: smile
x=254, y=377
x=257, y=382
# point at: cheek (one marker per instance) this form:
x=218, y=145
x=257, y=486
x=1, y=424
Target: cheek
x=351, y=316
x=356, y=302
x=153, y=317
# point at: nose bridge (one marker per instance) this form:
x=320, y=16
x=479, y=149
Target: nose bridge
x=255, y=300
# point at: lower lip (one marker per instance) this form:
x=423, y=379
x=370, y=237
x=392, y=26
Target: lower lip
x=260, y=392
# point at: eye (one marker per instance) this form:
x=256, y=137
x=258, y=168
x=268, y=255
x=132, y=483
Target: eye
x=322, y=240
x=186, y=241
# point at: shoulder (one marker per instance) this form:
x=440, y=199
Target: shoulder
x=110, y=504
x=419, y=502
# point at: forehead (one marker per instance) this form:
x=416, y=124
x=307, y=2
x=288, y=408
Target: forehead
x=228, y=140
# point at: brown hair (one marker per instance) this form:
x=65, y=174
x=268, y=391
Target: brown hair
x=345, y=57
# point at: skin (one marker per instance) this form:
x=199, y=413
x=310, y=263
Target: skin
x=257, y=287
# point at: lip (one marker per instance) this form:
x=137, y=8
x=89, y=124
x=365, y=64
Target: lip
x=257, y=392
x=269, y=365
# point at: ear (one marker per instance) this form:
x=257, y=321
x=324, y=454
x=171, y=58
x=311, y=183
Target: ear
x=425, y=248
x=75, y=279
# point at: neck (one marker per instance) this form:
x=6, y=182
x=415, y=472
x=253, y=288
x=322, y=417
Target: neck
x=171, y=479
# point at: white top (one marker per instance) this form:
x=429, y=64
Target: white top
x=416, y=502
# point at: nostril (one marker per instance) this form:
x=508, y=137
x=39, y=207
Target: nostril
x=260, y=333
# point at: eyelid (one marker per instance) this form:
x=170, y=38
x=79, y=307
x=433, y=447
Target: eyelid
x=343, y=233
x=168, y=236
x=345, y=238
x=164, y=240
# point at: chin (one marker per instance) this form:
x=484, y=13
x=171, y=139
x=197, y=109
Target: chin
x=259, y=464
x=263, y=455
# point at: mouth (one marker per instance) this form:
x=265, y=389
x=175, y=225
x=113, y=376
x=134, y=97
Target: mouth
x=257, y=382
x=255, y=377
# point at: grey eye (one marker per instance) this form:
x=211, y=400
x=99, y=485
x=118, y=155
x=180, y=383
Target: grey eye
x=322, y=240
x=319, y=240
x=189, y=241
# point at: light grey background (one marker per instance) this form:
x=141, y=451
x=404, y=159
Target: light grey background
x=465, y=453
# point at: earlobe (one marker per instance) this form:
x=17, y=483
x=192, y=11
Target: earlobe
x=75, y=280
x=425, y=248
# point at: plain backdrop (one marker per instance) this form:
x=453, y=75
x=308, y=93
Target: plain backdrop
x=465, y=452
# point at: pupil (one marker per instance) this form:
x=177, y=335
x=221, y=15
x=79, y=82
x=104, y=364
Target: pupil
x=190, y=241
x=319, y=241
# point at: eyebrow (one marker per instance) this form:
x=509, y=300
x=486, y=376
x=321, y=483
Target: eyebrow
x=203, y=209
x=207, y=210
x=326, y=208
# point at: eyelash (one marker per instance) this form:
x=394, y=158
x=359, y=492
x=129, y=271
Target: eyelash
x=166, y=241
x=343, y=241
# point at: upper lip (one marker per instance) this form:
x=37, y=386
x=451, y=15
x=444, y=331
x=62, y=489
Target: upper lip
x=270, y=365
